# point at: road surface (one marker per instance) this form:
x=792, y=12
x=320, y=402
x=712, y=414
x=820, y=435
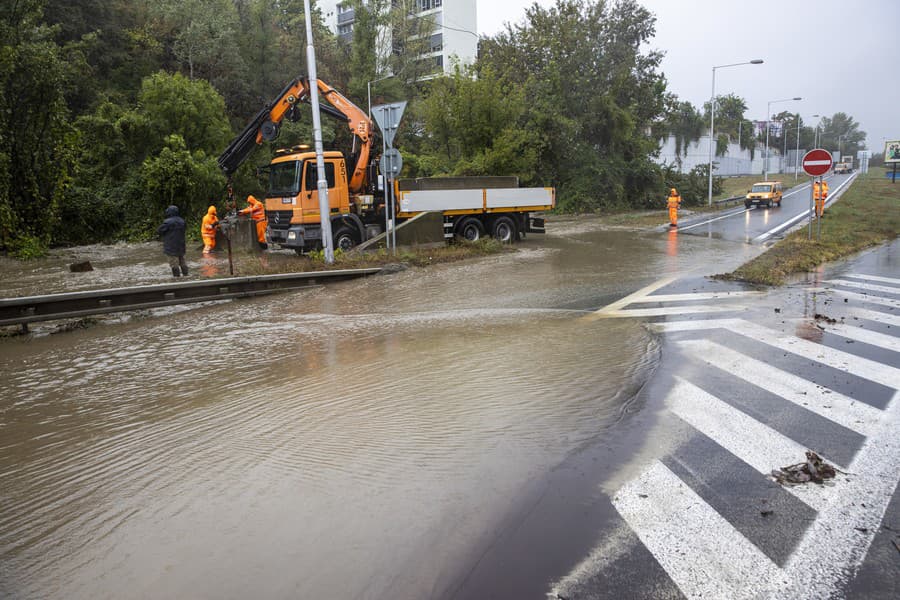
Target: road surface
x=759, y=224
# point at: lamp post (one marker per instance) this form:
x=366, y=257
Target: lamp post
x=816, y=137
x=797, y=156
x=712, y=114
x=768, y=116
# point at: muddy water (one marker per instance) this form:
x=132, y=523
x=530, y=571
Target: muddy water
x=357, y=440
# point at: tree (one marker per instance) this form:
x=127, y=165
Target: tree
x=731, y=124
x=592, y=96
x=684, y=123
x=841, y=133
x=475, y=127
x=36, y=139
x=174, y=132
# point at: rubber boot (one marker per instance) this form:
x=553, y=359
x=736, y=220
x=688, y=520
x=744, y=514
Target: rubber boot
x=176, y=272
x=184, y=270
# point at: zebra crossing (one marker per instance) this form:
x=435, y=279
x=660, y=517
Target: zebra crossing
x=754, y=398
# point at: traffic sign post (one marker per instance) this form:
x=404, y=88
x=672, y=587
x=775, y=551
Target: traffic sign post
x=388, y=118
x=815, y=164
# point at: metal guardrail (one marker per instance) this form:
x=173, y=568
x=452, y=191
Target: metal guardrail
x=29, y=309
x=732, y=199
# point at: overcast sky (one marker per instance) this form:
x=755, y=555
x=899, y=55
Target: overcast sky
x=838, y=55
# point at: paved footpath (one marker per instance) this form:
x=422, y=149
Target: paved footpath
x=749, y=380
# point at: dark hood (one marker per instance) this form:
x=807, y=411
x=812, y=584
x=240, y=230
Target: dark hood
x=172, y=211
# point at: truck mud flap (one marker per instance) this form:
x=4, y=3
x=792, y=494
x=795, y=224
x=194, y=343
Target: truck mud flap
x=535, y=225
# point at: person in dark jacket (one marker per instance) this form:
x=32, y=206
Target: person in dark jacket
x=172, y=233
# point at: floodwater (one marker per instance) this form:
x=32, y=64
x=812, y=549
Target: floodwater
x=359, y=440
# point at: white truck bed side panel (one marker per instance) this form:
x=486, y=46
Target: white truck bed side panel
x=513, y=197
x=422, y=200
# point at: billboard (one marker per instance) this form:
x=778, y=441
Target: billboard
x=892, y=152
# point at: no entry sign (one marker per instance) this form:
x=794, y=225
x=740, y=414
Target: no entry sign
x=817, y=162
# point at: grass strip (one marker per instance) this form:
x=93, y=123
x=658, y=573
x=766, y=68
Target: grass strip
x=868, y=214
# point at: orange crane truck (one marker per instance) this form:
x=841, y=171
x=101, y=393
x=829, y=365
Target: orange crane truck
x=471, y=207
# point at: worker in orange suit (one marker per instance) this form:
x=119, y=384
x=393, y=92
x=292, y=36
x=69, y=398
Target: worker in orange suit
x=208, y=230
x=673, y=202
x=257, y=212
x=819, y=192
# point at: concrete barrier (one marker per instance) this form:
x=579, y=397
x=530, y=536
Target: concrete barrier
x=425, y=230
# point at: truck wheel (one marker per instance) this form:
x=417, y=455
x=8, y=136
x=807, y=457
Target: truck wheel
x=344, y=239
x=470, y=229
x=504, y=230
x=747, y=204
x=768, y=204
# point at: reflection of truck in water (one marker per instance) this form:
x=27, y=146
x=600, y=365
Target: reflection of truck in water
x=471, y=207
x=845, y=165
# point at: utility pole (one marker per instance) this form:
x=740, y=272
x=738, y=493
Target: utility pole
x=324, y=204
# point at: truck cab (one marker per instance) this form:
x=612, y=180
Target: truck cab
x=764, y=192
x=292, y=199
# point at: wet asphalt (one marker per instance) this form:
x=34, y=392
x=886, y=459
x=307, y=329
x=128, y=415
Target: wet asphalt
x=701, y=519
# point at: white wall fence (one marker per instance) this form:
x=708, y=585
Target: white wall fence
x=735, y=161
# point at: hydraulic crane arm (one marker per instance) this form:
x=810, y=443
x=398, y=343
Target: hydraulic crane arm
x=265, y=126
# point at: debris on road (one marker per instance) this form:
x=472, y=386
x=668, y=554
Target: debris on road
x=814, y=469
x=827, y=319
x=81, y=267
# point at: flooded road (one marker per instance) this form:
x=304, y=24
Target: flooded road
x=354, y=441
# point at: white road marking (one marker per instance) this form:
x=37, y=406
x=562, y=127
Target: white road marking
x=838, y=540
x=719, y=218
x=857, y=296
x=862, y=367
x=834, y=406
x=700, y=550
x=756, y=444
x=665, y=311
x=638, y=294
x=874, y=315
x=859, y=334
x=874, y=278
x=695, y=296
x=864, y=286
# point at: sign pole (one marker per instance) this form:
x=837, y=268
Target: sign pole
x=815, y=164
x=387, y=204
x=393, y=231
x=812, y=188
x=819, y=217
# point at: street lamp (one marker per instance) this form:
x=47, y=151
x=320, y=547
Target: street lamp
x=712, y=114
x=797, y=155
x=768, y=116
x=816, y=137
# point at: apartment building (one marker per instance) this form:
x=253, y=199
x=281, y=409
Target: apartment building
x=454, y=37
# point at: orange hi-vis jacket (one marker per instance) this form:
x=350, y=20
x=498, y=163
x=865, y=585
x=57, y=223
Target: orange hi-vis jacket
x=824, y=190
x=256, y=210
x=817, y=191
x=208, y=227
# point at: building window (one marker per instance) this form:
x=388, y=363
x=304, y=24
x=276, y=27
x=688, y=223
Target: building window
x=429, y=4
x=437, y=42
x=342, y=8
x=345, y=29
